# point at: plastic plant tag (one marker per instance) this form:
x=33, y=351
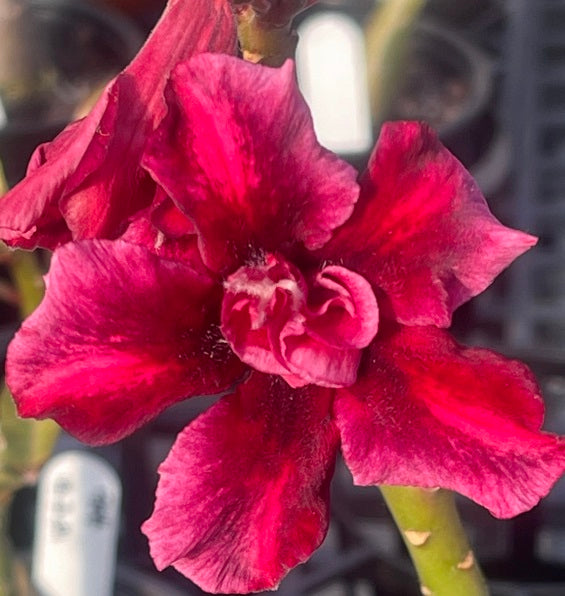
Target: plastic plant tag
x=76, y=526
x=331, y=67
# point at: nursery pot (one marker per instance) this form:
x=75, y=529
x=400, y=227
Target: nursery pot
x=53, y=55
x=449, y=83
x=461, y=14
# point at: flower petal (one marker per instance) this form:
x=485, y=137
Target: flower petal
x=422, y=231
x=168, y=218
x=345, y=309
x=238, y=154
x=243, y=495
x=144, y=231
x=428, y=412
x=274, y=325
x=120, y=335
x=87, y=181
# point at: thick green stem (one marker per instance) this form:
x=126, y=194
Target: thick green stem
x=436, y=541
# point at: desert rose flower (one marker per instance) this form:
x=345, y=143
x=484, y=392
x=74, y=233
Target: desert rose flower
x=87, y=181
x=319, y=305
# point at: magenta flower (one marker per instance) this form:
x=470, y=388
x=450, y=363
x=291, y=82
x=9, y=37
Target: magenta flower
x=87, y=182
x=323, y=303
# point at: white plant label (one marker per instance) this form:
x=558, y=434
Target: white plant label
x=76, y=526
x=331, y=69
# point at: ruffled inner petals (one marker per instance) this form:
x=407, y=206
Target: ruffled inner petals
x=247, y=484
x=313, y=332
x=345, y=308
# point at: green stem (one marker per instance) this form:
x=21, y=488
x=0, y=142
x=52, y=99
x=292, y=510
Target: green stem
x=27, y=278
x=25, y=444
x=388, y=33
x=432, y=531
x=262, y=42
x=28, y=443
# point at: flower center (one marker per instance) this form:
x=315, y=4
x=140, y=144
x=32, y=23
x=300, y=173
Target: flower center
x=308, y=329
